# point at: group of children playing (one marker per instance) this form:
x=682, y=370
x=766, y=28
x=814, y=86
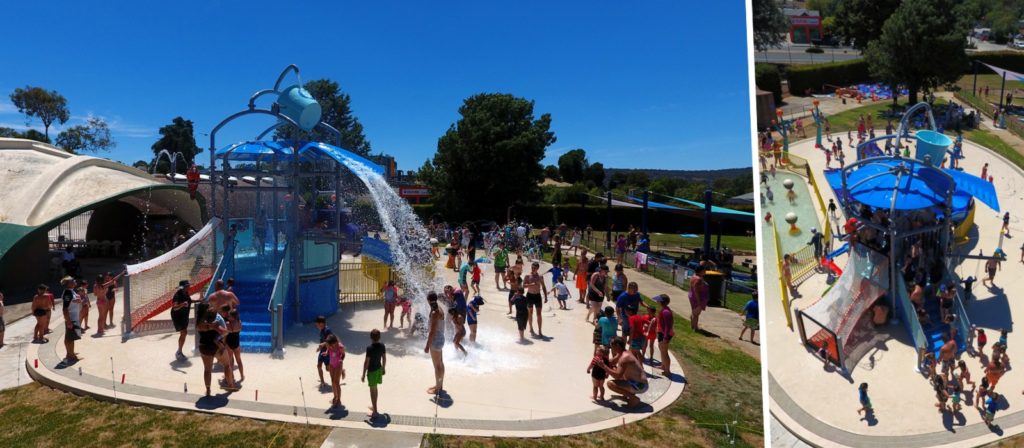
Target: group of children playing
x=331, y=353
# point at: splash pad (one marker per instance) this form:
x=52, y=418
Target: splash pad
x=282, y=239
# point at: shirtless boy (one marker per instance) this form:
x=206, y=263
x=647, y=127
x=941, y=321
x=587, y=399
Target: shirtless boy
x=534, y=284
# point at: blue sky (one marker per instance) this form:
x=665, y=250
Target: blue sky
x=662, y=85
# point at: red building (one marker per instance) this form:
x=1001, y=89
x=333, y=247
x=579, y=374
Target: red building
x=804, y=25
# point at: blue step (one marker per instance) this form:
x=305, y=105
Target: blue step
x=253, y=296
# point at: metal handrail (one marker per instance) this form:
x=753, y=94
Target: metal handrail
x=275, y=304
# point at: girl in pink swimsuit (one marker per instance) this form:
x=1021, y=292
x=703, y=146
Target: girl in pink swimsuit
x=336, y=355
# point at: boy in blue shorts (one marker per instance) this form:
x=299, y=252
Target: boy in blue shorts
x=471, y=310
x=751, y=321
x=561, y=292
x=322, y=358
x=865, y=402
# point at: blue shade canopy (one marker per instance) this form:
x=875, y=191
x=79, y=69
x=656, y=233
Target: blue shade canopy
x=716, y=211
x=913, y=185
x=315, y=151
x=975, y=186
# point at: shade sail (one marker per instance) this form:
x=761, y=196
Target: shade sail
x=898, y=183
x=615, y=202
x=714, y=208
x=282, y=150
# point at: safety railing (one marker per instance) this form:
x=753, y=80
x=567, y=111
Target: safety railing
x=783, y=287
x=908, y=314
x=276, y=305
x=362, y=281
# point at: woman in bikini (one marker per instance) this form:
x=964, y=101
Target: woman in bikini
x=42, y=304
x=233, y=341
x=100, y=291
x=435, y=343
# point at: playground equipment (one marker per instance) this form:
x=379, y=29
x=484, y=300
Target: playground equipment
x=819, y=120
x=281, y=240
x=782, y=125
x=909, y=190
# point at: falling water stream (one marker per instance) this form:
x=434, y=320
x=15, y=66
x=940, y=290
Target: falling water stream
x=410, y=250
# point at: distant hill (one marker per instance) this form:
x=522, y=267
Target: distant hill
x=691, y=175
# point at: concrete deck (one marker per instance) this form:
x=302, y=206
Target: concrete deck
x=502, y=388
x=903, y=400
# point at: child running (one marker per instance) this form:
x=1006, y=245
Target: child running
x=336, y=358
x=597, y=373
x=865, y=401
x=373, y=368
x=561, y=293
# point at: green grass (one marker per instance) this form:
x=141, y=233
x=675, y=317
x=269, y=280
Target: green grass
x=738, y=242
x=723, y=384
x=993, y=142
x=37, y=416
x=993, y=81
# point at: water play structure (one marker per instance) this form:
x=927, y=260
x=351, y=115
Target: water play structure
x=891, y=202
x=280, y=238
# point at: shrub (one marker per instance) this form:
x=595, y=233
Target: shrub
x=815, y=77
x=816, y=50
x=766, y=77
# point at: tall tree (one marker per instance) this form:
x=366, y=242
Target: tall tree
x=177, y=137
x=46, y=105
x=142, y=165
x=921, y=46
x=572, y=166
x=770, y=24
x=595, y=173
x=551, y=172
x=93, y=136
x=337, y=112
x=862, y=20
x=490, y=158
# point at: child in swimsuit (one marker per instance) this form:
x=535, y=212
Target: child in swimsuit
x=460, y=330
x=472, y=310
x=406, y=305
x=336, y=357
x=598, y=374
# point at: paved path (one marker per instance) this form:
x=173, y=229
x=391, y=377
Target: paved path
x=489, y=395
x=363, y=438
x=12, y=355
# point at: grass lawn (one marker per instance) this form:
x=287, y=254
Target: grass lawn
x=738, y=242
x=37, y=416
x=992, y=81
x=723, y=384
x=993, y=142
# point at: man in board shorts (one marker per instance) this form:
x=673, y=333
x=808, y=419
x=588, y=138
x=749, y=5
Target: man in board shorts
x=628, y=377
x=534, y=284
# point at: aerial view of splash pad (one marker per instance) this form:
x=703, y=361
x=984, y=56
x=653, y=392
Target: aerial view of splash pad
x=284, y=236
x=898, y=283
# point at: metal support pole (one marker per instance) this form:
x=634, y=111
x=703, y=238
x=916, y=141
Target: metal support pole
x=643, y=219
x=608, y=235
x=1002, y=92
x=294, y=235
x=974, y=84
x=707, y=221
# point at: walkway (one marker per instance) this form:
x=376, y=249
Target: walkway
x=721, y=322
x=904, y=402
x=492, y=393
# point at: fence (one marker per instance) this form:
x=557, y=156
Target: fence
x=782, y=282
x=362, y=281
x=664, y=268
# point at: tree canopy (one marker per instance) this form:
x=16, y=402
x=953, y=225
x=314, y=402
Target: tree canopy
x=337, y=112
x=490, y=158
x=93, y=136
x=862, y=20
x=921, y=46
x=177, y=137
x=573, y=167
x=30, y=134
x=770, y=24
x=46, y=105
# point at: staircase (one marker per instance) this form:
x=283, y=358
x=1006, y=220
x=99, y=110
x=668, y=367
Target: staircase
x=934, y=330
x=253, y=296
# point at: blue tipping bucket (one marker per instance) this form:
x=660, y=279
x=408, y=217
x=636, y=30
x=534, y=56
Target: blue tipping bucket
x=296, y=103
x=933, y=144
